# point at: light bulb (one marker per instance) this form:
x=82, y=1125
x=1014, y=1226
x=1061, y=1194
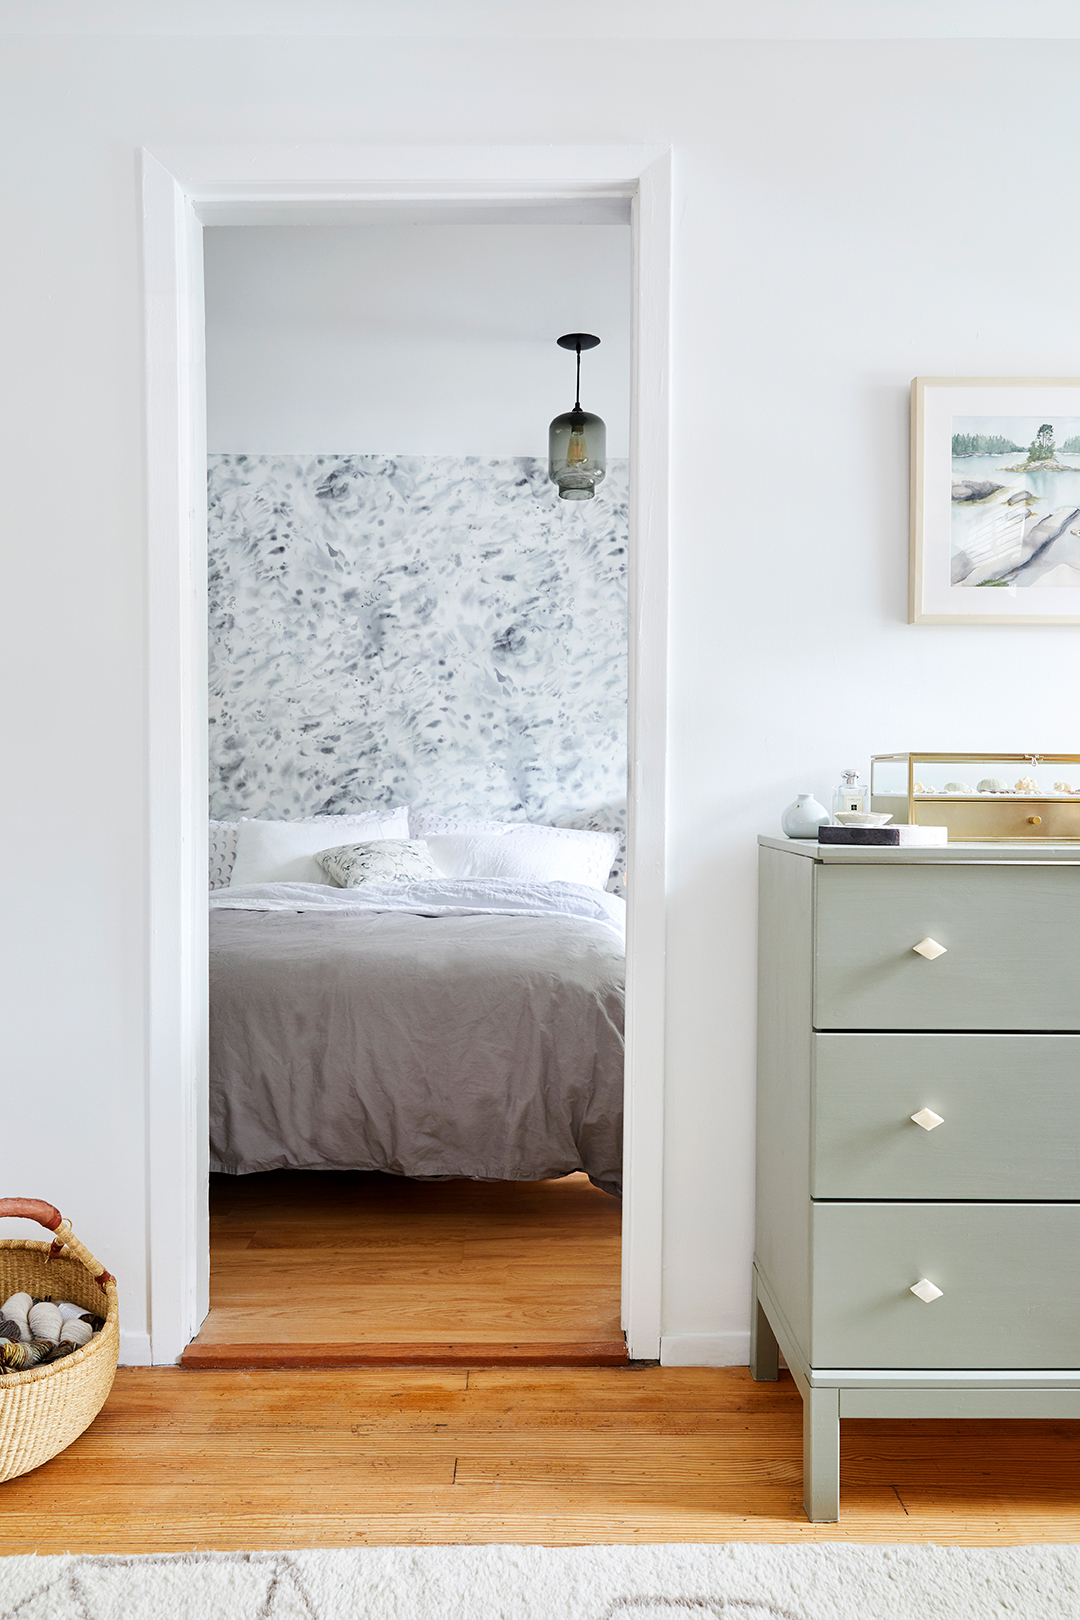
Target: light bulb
x=577, y=451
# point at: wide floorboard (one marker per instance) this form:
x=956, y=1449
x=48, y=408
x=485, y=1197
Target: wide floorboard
x=359, y=1457
x=347, y=1269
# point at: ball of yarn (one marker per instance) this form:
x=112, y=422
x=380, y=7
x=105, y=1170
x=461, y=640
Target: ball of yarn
x=17, y=1357
x=9, y=1330
x=45, y=1322
x=15, y=1310
x=57, y=1352
x=77, y=1333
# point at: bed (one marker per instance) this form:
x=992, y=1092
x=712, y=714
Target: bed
x=433, y=1030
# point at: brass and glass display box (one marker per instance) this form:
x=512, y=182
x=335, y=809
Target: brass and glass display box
x=981, y=797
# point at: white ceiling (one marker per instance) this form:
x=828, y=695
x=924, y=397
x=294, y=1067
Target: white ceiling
x=576, y=19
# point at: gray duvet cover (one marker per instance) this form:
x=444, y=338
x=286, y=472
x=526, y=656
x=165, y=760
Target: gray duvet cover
x=481, y=1046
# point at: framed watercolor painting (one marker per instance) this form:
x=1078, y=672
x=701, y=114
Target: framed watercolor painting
x=995, y=500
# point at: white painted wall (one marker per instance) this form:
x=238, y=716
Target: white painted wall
x=413, y=339
x=848, y=214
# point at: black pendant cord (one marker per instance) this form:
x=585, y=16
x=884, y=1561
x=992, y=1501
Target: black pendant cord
x=578, y=341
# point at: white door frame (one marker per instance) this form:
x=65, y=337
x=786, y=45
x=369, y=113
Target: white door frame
x=182, y=190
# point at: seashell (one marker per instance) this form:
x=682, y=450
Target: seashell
x=956, y=787
x=1063, y=787
x=45, y=1322
x=77, y=1333
x=918, y=788
x=1027, y=784
x=15, y=1310
x=992, y=784
x=18, y=1357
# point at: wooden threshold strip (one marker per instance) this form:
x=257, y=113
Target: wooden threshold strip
x=597, y=1353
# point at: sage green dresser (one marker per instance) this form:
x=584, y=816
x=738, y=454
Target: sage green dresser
x=917, y=1247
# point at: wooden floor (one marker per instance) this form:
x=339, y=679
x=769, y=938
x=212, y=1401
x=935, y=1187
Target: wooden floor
x=285, y=1459
x=363, y=1455
x=347, y=1269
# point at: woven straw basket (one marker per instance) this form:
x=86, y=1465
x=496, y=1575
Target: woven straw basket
x=44, y=1409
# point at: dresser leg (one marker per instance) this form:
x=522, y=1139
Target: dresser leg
x=821, y=1455
x=764, y=1351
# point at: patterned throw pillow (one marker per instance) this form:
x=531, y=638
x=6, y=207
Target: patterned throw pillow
x=381, y=860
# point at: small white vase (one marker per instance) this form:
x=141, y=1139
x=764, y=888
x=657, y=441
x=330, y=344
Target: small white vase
x=803, y=818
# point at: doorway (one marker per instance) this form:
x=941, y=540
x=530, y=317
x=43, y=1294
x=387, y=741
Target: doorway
x=183, y=191
x=405, y=617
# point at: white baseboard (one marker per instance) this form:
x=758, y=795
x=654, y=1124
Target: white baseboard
x=134, y=1349
x=705, y=1349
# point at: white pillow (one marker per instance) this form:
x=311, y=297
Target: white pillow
x=284, y=851
x=222, y=852
x=222, y=844
x=422, y=824
x=609, y=818
x=527, y=855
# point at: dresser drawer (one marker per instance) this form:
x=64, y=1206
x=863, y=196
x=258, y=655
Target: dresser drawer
x=1010, y=1106
x=1011, y=936
x=1009, y=1276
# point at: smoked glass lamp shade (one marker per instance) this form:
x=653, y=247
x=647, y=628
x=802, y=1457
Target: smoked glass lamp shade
x=577, y=454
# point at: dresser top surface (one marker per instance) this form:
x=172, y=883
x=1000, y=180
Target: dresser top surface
x=1028, y=853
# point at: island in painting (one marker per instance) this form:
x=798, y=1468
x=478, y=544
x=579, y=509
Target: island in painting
x=1016, y=500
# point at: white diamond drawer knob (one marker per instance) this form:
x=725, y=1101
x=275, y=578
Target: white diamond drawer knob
x=927, y=1119
x=929, y=948
x=925, y=1291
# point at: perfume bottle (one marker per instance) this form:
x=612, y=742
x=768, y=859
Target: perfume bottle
x=850, y=795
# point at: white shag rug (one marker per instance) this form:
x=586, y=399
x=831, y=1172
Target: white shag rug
x=731, y=1581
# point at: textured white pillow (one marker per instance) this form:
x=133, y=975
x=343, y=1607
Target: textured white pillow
x=606, y=818
x=379, y=860
x=284, y=851
x=609, y=819
x=527, y=855
x=422, y=824
x=222, y=852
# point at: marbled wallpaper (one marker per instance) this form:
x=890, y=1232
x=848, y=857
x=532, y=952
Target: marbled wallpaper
x=439, y=631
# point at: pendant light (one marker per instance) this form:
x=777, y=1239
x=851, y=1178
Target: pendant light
x=577, y=440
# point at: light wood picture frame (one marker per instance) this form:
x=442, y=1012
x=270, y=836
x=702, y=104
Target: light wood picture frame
x=995, y=500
